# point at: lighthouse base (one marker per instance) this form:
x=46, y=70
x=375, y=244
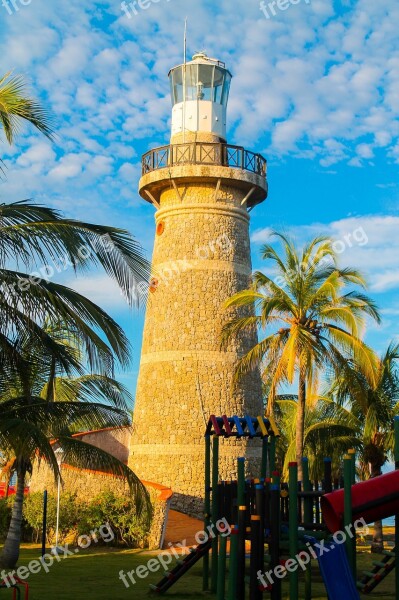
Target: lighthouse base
x=186, y=476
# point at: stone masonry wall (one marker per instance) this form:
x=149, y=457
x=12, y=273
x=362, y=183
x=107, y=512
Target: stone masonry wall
x=201, y=258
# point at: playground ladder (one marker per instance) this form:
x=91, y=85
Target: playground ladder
x=182, y=567
x=381, y=569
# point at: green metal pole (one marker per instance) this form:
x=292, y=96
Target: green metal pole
x=397, y=516
x=256, y=562
x=275, y=533
x=44, y=527
x=308, y=518
x=240, y=590
x=214, y=517
x=207, y=509
x=241, y=481
x=348, y=508
x=276, y=479
x=352, y=454
x=221, y=583
x=265, y=446
x=233, y=564
x=307, y=487
x=272, y=454
x=293, y=526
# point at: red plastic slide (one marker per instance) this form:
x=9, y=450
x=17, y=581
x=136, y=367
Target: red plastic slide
x=372, y=500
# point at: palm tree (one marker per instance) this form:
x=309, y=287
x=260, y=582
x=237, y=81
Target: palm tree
x=31, y=236
x=375, y=406
x=16, y=105
x=329, y=431
x=309, y=322
x=34, y=236
x=42, y=405
x=28, y=430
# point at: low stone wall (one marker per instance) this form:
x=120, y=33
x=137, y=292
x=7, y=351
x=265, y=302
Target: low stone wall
x=87, y=484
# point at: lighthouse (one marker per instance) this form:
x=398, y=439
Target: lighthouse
x=202, y=189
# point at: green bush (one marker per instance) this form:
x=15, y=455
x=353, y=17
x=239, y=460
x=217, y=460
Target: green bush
x=5, y=518
x=84, y=519
x=70, y=510
x=119, y=513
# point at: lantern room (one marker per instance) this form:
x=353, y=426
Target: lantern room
x=200, y=91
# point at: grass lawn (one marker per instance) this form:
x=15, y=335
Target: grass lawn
x=94, y=575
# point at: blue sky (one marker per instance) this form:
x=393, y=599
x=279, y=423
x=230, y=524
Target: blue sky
x=315, y=89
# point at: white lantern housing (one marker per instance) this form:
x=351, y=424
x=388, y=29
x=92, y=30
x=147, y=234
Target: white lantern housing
x=200, y=91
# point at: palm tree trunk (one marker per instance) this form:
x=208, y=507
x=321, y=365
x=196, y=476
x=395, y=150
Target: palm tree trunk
x=377, y=543
x=10, y=554
x=300, y=424
x=51, y=383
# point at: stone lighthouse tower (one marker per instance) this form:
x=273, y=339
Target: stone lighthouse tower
x=203, y=189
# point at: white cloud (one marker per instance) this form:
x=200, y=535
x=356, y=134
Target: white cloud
x=40, y=152
x=369, y=243
x=69, y=166
x=101, y=290
x=364, y=151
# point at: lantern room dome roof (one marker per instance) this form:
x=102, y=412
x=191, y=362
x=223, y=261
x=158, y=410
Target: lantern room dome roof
x=201, y=58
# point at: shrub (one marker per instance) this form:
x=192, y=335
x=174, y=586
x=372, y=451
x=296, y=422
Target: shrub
x=82, y=518
x=120, y=514
x=5, y=518
x=70, y=510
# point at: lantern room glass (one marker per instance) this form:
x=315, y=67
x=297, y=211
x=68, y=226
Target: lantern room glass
x=203, y=82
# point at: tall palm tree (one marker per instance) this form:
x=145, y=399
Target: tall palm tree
x=31, y=419
x=31, y=236
x=375, y=406
x=308, y=319
x=17, y=105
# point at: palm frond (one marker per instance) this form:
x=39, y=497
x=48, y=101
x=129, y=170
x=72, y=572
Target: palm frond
x=15, y=105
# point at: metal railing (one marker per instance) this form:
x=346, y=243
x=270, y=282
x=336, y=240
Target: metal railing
x=203, y=153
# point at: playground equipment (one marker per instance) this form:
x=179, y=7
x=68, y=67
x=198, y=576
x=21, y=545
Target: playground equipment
x=372, y=500
x=16, y=588
x=182, y=567
x=338, y=587
x=278, y=525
